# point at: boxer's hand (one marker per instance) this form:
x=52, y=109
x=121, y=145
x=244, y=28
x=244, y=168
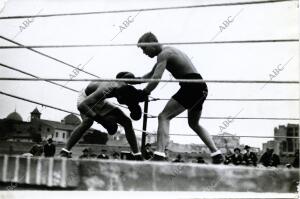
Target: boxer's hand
x=143, y=95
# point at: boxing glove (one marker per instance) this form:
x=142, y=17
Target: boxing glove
x=135, y=112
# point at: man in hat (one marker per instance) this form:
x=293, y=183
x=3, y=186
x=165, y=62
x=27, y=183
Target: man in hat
x=103, y=155
x=85, y=153
x=269, y=158
x=148, y=151
x=249, y=158
x=237, y=158
x=49, y=148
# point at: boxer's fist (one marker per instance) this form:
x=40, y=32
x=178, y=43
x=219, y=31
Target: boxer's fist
x=135, y=112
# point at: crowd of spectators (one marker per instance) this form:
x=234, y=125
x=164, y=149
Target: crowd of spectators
x=248, y=158
x=38, y=149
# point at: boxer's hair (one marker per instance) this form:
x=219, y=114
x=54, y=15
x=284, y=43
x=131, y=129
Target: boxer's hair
x=148, y=37
x=125, y=74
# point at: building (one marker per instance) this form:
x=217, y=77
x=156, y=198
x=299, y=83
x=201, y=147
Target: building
x=151, y=137
x=284, y=146
x=226, y=142
x=13, y=128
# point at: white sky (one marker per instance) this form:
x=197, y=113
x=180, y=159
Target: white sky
x=226, y=61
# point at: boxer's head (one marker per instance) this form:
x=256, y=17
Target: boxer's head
x=149, y=50
x=126, y=75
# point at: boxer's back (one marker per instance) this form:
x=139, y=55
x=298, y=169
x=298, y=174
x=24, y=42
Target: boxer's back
x=178, y=64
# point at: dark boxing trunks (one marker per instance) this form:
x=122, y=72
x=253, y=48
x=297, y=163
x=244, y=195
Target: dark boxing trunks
x=191, y=95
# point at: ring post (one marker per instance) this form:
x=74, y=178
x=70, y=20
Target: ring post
x=145, y=118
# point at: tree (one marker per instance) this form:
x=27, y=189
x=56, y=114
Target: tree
x=96, y=137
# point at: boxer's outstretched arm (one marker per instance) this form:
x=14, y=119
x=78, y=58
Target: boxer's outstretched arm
x=146, y=76
x=158, y=73
x=150, y=74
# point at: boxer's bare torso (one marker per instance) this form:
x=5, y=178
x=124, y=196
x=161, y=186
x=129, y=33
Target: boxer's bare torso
x=178, y=63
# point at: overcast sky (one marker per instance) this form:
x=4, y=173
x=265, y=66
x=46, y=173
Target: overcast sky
x=223, y=61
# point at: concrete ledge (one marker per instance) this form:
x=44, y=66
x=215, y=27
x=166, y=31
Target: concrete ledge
x=154, y=176
x=51, y=172
x=144, y=176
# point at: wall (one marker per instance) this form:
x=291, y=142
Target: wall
x=143, y=176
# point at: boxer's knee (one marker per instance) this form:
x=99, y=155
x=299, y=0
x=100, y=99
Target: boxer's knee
x=164, y=116
x=126, y=122
x=193, y=123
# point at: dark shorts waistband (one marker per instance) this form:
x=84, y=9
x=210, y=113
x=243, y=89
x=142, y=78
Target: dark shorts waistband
x=193, y=76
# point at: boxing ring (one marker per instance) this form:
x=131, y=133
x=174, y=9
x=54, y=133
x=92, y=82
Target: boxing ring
x=158, y=171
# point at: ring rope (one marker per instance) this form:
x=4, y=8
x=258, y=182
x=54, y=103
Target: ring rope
x=50, y=57
x=150, y=80
x=151, y=44
x=248, y=136
x=23, y=72
x=49, y=106
x=38, y=103
x=60, y=85
x=236, y=118
x=153, y=99
x=147, y=133
x=148, y=9
x=26, y=73
x=55, y=59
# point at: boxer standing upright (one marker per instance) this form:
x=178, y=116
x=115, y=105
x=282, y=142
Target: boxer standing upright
x=190, y=96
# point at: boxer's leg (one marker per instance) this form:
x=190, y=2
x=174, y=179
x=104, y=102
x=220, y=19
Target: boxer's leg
x=171, y=110
x=194, y=114
x=78, y=132
x=193, y=120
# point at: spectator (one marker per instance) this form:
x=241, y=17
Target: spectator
x=126, y=155
x=249, y=157
x=103, y=155
x=148, y=151
x=296, y=161
x=200, y=160
x=269, y=159
x=85, y=153
x=116, y=156
x=178, y=159
x=93, y=156
x=237, y=158
x=37, y=149
x=228, y=159
x=49, y=148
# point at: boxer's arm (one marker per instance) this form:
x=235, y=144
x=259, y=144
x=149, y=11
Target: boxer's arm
x=86, y=107
x=157, y=74
x=149, y=75
x=146, y=76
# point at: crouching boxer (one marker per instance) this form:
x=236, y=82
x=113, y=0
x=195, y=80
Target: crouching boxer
x=93, y=106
